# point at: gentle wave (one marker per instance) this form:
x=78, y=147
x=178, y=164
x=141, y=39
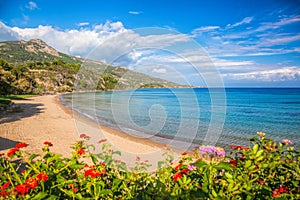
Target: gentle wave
x=186, y=114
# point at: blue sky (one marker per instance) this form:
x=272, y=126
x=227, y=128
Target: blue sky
x=248, y=43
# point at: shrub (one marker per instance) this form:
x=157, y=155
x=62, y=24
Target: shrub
x=266, y=170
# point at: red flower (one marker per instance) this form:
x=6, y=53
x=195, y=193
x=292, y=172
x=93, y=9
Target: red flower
x=75, y=190
x=92, y=173
x=21, y=145
x=245, y=148
x=184, y=153
x=48, y=143
x=5, y=185
x=31, y=183
x=283, y=189
x=11, y=152
x=42, y=176
x=103, y=164
x=239, y=147
x=84, y=136
x=22, y=189
x=260, y=182
x=233, y=163
x=185, y=171
x=80, y=152
x=177, y=176
x=101, y=141
x=232, y=147
x=178, y=167
x=276, y=193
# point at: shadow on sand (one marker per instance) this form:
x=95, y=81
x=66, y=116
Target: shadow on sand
x=7, y=144
x=20, y=111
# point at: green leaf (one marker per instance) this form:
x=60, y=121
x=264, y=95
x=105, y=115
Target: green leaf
x=248, y=164
x=117, y=152
x=214, y=192
x=122, y=166
x=94, y=158
x=116, y=183
x=76, y=166
x=255, y=148
x=200, y=163
x=259, y=153
x=228, y=175
x=160, y=164
x=224, y=165
x=78, y=196
x=52, y=197
x=40, y=195
x=33, y=156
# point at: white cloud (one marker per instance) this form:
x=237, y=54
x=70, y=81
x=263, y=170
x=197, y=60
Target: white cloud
x=246, y=20
x=134, y=12
x=280, y=40
x=207, y=28
x=32, y=5
x=264, y=38
x=275, y=75
x=83, y=24
x=73, y=42
x=159, y=70
x=199, y=31
x=6, y=33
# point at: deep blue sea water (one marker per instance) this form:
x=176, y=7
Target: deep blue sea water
x=198, y=115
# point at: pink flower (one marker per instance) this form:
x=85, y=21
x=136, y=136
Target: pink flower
x=191, y=167
x=286, y=142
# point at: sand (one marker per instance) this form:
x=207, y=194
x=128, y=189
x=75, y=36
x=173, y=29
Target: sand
x=44, y=118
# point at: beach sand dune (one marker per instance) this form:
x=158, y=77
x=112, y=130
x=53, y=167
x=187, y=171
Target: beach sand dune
x=44, y=118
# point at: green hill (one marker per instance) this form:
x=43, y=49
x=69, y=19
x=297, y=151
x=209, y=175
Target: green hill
x=36, y=68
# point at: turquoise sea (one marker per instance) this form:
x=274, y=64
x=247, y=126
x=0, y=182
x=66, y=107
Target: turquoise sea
x=195, y=115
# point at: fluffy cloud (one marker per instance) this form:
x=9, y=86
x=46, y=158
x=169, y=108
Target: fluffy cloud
x=31, y=5
x=6, y=33
x=73, y=42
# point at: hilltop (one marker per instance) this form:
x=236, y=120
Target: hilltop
x=35, y=67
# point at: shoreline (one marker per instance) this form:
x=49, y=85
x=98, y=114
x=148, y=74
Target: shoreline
x=45, y=118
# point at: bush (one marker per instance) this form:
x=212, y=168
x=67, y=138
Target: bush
x=266, y=170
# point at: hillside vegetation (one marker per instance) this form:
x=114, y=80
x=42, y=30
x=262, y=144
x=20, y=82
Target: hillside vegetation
x=33, y=67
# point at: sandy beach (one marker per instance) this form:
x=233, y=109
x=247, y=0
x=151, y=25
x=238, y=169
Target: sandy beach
x=44, y=118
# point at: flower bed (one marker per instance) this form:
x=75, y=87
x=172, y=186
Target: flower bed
x=266, y=170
